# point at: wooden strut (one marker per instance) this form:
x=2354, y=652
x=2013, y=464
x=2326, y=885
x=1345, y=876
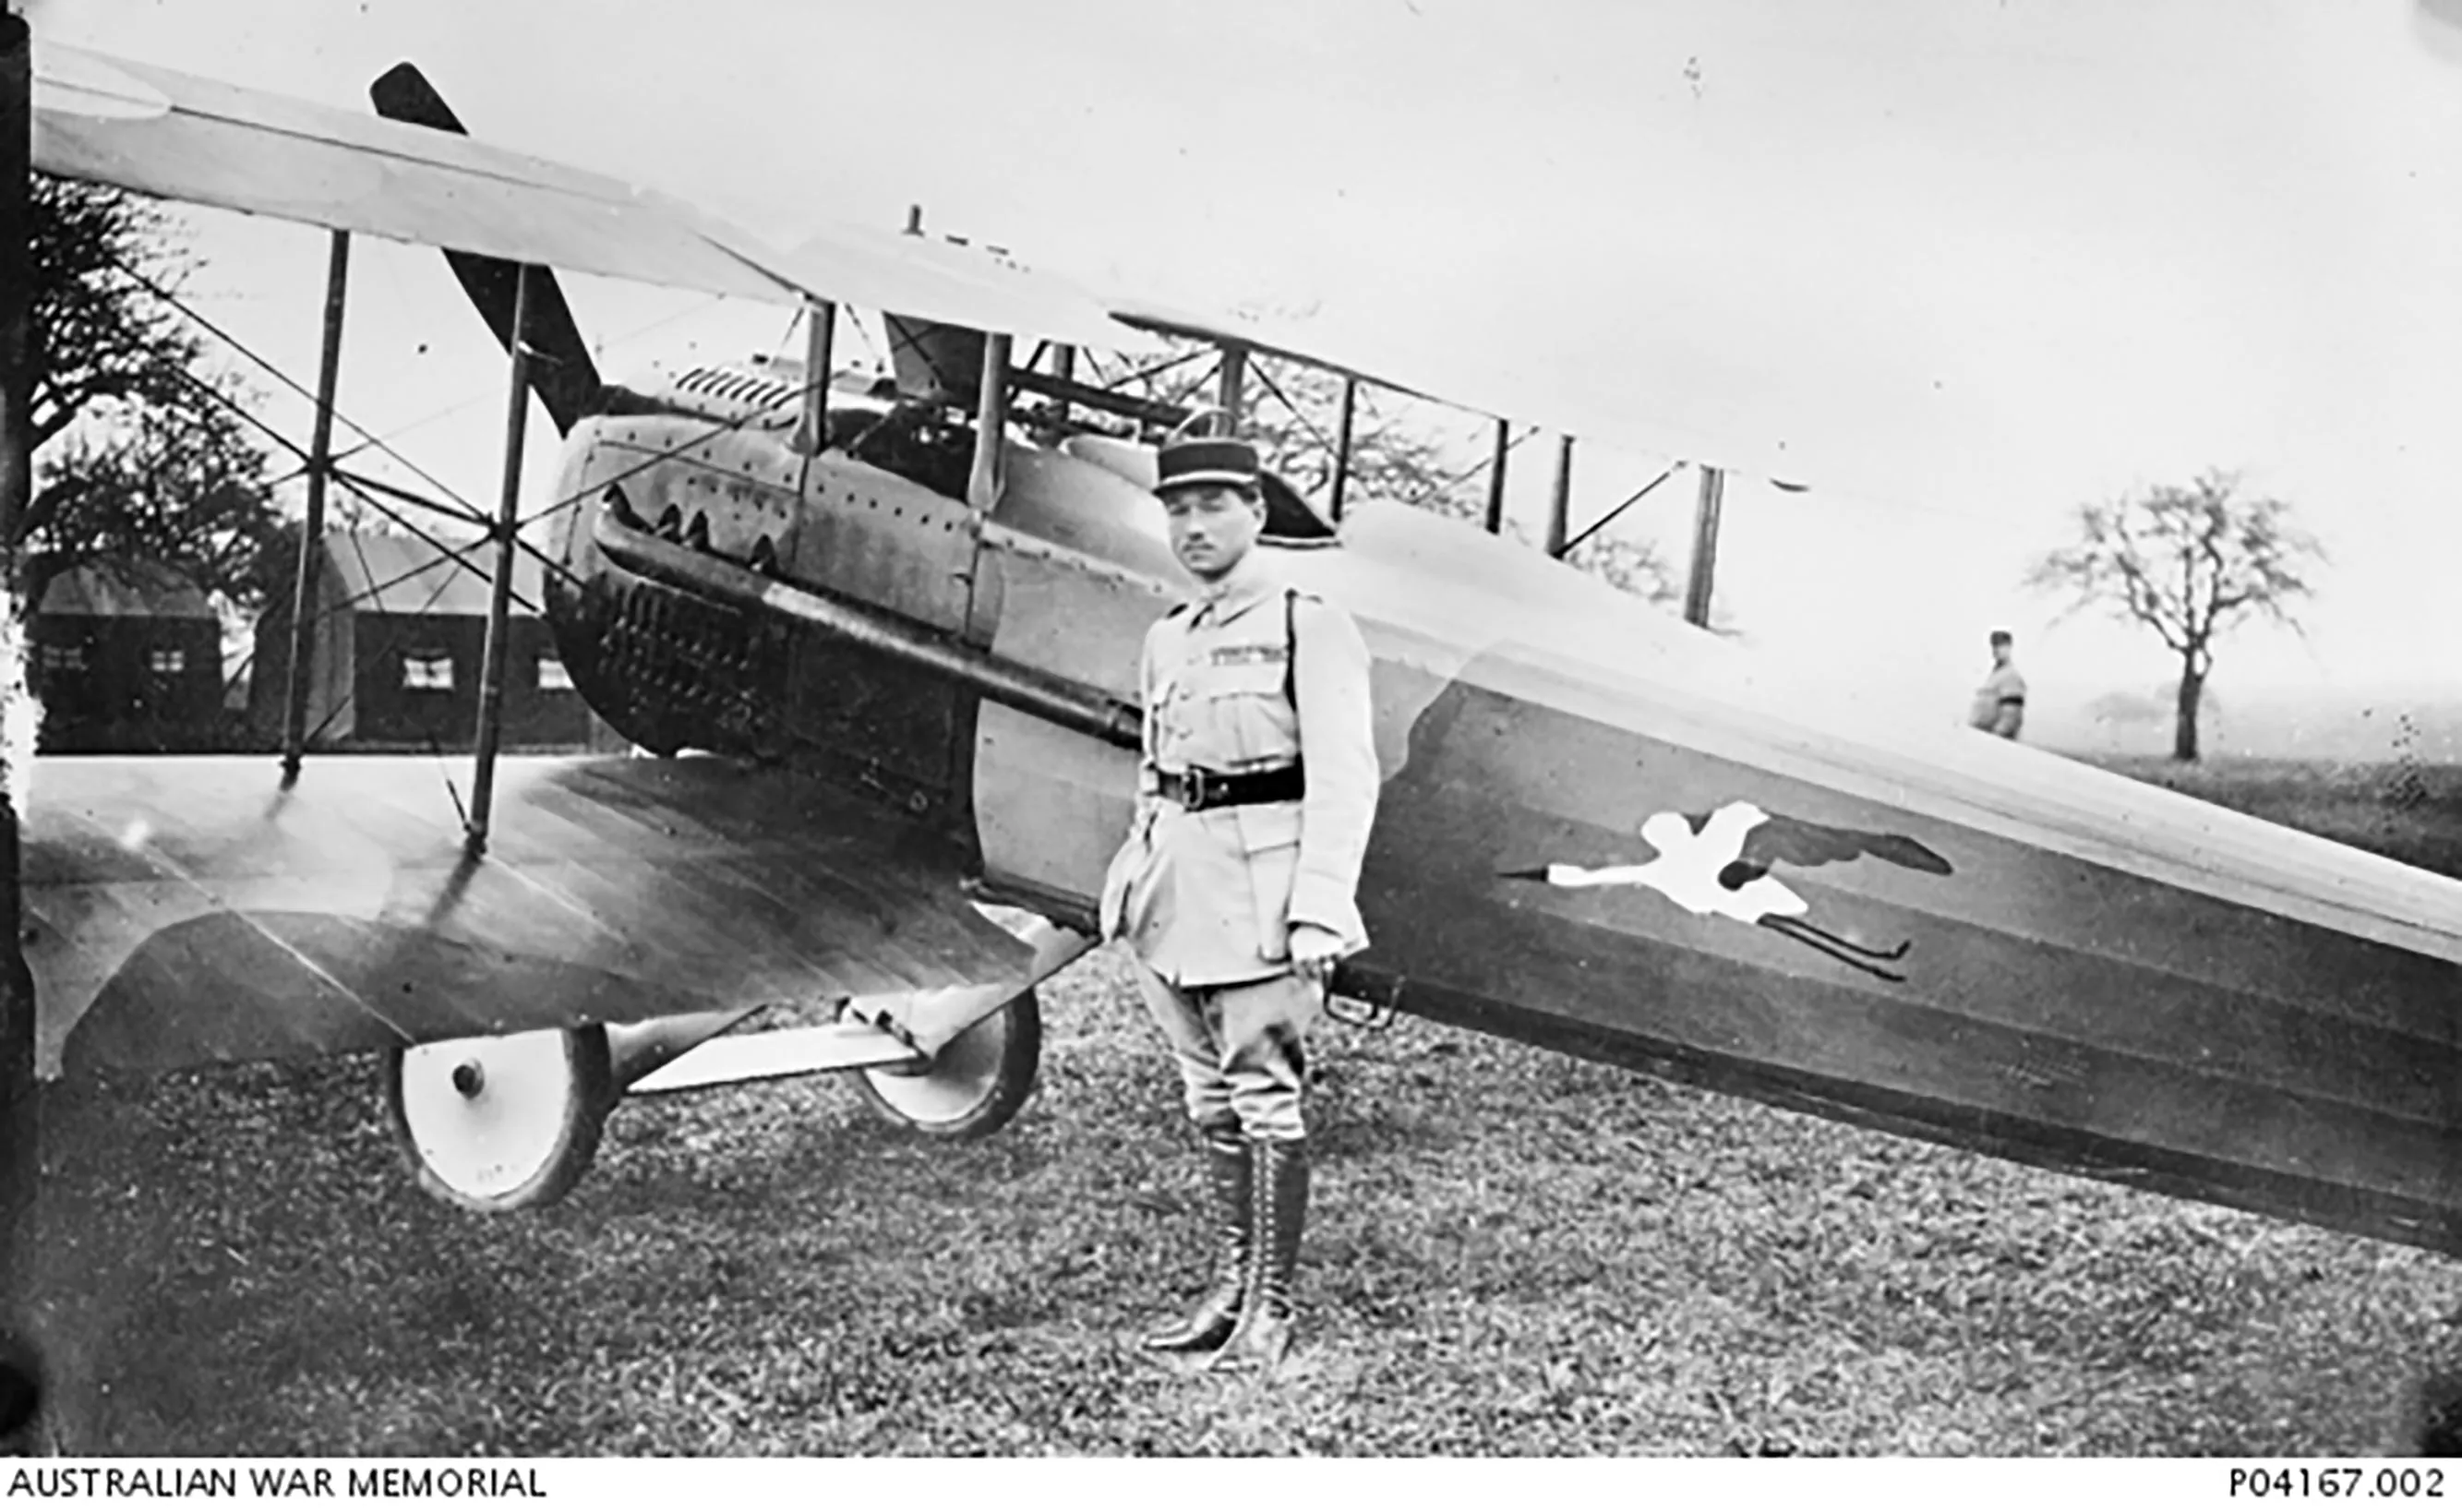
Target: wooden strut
x=1233, y=396
x=1341, y=442
x=991, y=427
x=813, y=432
x=1560, y=503
x=500, y=595
x=1698, y=584
x=1064, y=367
x=312, y=531
x=1496, y=477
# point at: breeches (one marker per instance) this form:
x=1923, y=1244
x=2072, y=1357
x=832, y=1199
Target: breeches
x=1239, y=1049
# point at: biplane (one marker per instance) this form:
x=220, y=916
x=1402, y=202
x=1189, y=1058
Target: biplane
x=881, y=647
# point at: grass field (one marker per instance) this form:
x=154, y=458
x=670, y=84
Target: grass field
x=1512, y=1253
x=2409, y=811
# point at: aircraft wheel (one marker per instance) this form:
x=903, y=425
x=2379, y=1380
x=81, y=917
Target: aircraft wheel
x=501, y=1123
x=975, y=1085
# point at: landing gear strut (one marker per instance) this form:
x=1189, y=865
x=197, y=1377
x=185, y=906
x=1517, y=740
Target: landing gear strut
x=508, y=1122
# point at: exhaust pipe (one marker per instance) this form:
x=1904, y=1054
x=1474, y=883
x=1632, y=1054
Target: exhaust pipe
x=1071, y=706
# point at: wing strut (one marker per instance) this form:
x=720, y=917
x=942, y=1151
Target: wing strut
x=1495, y=521
x=1560, y=502
x=991, y=425
x=312, y=533
x=500, y=595
x=1342, y=446
x=820, y=331
x=1064, y=367
x=1233, y=396
x=1697, y=583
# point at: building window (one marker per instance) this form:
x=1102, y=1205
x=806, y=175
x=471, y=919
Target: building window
x=167, y=661
x=433, y=673
x=64, y=659
x=551, y=676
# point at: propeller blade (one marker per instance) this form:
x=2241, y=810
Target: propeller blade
x=561, y=372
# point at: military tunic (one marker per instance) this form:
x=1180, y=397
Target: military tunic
x=1207, y=899
x=2000, y=702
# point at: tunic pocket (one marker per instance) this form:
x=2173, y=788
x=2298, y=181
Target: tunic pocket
x=1271, y=871
x=1249, y=719
x=1264, y=826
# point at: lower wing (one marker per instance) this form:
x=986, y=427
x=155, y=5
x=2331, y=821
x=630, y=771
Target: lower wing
x=187, y=911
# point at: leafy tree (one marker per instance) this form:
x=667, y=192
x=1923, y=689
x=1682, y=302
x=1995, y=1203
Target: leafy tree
x=2188, y=563
x=182, y=486
x=142, y=450
x=98, y=335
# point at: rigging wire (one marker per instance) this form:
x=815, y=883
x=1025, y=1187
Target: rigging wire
x=1475, y=468
x=1631, y=499
x=626, y=338
x=1895, y=506
x=354, y=483
x=1267, y=378
x=330, y=612
x=384, y=648
x=464, y=509
x=293, y=385
x=363, y=488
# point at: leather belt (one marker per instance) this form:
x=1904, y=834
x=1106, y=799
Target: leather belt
x=1199, y=788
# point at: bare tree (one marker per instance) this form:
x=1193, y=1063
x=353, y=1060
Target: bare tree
x=2188, y=563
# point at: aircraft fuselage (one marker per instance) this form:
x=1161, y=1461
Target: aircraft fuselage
x=1986, y=944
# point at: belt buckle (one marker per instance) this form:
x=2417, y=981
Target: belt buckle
x=1194, y=784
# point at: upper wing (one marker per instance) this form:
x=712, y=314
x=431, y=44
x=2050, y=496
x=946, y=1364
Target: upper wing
x=182, y=136
x=975, y=288
x=1256, y=336
x=183, y=911
x=1478, y=392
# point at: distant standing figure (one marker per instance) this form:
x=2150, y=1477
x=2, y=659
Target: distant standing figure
x=1236, y=886
x=2000, y=703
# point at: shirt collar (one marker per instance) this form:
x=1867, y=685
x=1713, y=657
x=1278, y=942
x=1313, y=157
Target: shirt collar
x=1242, y=588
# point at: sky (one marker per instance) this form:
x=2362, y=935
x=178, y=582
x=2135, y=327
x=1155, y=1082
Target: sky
x=1960, y=265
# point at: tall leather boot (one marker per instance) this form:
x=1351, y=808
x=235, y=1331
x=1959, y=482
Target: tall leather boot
x=1263, y=1332
x=1228, y=1166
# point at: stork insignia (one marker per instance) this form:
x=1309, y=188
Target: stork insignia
x=1719, y=863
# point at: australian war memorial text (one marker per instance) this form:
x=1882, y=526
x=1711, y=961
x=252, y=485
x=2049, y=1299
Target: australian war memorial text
x=415, y=1482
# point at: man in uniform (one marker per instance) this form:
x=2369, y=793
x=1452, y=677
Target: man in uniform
x=2000, y=702
x=1236, y=886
